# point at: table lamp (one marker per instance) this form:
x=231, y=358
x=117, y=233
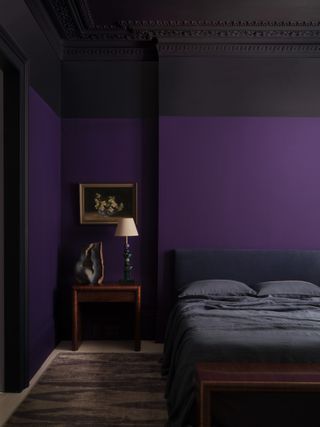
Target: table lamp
x=125, y=228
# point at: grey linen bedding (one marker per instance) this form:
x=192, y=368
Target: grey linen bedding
x=234, y=328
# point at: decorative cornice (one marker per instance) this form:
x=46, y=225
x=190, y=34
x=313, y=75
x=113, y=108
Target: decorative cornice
x=86, y=13
x=227, y=33
x=76, y=53
x=214, y=23
x=188, y=30
x=82, y=38
x=227, y=49
x=64, y=17
x=77, y=22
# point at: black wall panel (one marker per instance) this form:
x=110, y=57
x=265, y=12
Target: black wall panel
x=109, y=89
x=234, y=86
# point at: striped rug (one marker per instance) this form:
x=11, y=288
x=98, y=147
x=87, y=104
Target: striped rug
x=96, y=389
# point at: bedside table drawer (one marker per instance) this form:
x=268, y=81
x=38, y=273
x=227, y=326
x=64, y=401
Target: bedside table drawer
x=107, y=296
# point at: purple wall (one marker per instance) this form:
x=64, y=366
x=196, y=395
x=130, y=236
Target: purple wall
x=104, y=151
x=227, y=182
x=44, y=226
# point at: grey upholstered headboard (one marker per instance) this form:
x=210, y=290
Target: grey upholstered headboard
x=249, y=266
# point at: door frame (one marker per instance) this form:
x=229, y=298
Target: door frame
x=16, y=85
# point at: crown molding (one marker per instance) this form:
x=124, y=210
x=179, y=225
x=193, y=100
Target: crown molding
x=135, y=39
x=216, y=23
x=230, y=34
x=152, y=53
x=213, y=31
x=108, y=53
x=86, y=13
x=237, y=49
x=77, y=22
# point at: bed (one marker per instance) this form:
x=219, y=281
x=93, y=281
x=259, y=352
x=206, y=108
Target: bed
x=238, y=306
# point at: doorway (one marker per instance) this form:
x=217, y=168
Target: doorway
x=13, y=317
x=1, y=241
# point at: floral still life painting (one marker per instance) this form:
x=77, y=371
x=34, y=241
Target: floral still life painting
x=106, y=203
x=108, y=206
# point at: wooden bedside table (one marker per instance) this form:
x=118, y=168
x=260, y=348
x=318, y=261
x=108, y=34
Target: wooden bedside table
x=105, y=293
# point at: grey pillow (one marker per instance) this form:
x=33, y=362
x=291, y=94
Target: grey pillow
x=294, y=288
x=216, y=287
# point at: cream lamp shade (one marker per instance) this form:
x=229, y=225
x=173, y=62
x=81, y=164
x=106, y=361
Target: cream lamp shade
x=126, y=227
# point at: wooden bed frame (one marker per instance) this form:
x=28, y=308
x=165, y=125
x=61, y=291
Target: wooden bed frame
x=212, y=378
x=250, y=267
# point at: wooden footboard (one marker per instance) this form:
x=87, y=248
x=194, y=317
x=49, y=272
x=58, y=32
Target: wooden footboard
x=212, y=378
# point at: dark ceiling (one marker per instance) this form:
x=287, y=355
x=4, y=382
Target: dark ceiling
x=107, y=12
x=75, y=26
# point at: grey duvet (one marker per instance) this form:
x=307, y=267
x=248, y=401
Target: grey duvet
x=275, y=329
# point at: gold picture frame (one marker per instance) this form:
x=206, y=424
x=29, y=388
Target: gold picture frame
x=107, y=203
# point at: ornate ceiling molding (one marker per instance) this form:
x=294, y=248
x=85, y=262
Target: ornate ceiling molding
x=187, y=30
x=128, y=38
x=228, y=49
x=76, y=53
x=219, y=23
x=86, y=13
x=252, y=34
x=62, y=13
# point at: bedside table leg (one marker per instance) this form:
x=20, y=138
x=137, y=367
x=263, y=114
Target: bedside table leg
x=75, y=321
x=203, y=406
x=137, y=337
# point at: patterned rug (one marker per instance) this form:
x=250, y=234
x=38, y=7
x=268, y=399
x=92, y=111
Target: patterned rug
x=96, y=389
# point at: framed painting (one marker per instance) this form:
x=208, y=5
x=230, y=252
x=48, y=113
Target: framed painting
x=106, y=203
